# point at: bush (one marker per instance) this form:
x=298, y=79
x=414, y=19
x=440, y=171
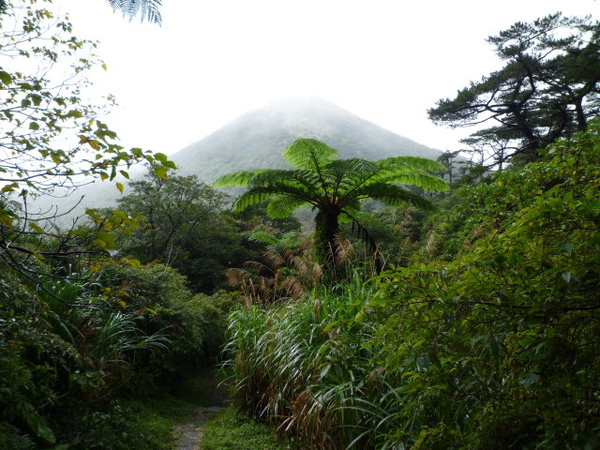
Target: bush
x=158, y=296
x=499, y=348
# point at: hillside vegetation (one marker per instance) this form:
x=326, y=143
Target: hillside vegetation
x=489, y=341
x=434, y=307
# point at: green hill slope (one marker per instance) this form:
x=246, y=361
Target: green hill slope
x=256, y=139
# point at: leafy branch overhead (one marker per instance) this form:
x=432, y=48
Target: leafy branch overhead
x=51, y=136
x=548, y=88
x=146, y=9
x=52, y=141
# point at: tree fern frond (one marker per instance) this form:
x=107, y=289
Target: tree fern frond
x=407, y=176
x=237, y=178
x=283, y=205
x=309, y=154
x=283, y=180
x=251, y=197
x=310, y=180
x=393, y=195
x=266, y=176
x=301, y=184
x=263, y=236
x=412, y=162
x=352, y=206
x=353, y=166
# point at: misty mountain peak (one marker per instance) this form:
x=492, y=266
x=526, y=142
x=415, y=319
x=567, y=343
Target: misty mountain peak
x=256, y=139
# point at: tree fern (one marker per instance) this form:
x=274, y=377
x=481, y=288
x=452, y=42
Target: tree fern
x=333, y=187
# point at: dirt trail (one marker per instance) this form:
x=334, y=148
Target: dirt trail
x=189, y=435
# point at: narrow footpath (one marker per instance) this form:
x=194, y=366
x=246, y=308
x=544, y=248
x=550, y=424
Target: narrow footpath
x=189, y=435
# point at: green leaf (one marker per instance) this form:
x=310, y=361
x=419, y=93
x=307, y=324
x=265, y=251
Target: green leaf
x=10, y=187
x=93, y=214
x=120, y=214
x=36, y=227
x=6, y=218
x=75, y=113
x=5, y=77
x=37, y=425
x=160, y=157
x=161, y=172
x=309, y=154
x=37, y=100
x=105, y=240
x=530, y=379
x=236, y=178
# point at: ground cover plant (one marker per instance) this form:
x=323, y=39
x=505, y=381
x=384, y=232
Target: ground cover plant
x=229, y=430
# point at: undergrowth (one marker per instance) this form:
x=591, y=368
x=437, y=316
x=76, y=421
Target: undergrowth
x=151, y=421
x=228, y=430
x=497, y=348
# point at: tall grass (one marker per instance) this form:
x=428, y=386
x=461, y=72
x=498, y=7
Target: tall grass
x=316, y=370
x=304, y=367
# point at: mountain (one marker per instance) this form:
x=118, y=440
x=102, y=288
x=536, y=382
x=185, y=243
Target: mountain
x=256, y=139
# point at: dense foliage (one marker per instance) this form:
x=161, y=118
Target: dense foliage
x=51, y=140
x=183, y=224
x=481, y=334
x=495, y=349
x=80, y=331
x=71, y=351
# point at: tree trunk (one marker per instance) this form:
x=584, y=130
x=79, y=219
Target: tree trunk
x=326, y=229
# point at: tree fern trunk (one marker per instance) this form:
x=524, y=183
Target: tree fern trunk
x=326, y=229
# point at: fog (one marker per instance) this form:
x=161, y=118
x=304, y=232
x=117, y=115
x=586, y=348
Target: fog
x=210, y=61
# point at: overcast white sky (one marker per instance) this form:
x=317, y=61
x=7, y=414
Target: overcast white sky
x=212, y=60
